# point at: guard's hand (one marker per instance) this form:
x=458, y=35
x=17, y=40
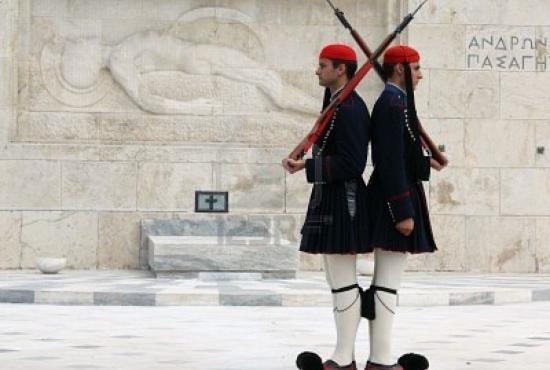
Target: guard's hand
x=292, y=165
x=405, y=227
x=436, y=165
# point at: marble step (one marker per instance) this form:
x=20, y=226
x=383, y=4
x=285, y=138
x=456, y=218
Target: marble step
x=191, y=255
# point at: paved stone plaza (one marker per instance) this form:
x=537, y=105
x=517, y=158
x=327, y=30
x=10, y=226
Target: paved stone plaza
x=460, y=321
x=48, y=337
x=139, y=288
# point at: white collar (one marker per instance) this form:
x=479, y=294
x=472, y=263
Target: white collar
x=336, y=92
x=399, y=87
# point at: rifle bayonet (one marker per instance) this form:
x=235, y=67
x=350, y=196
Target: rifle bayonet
x=408, y=18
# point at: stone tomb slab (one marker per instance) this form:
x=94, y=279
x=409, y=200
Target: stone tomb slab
x=238, y=246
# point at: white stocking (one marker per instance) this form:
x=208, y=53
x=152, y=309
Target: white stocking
x=341, y=272
x=388, y=268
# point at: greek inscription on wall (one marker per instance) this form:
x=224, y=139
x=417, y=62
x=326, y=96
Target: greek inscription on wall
x=505, y=51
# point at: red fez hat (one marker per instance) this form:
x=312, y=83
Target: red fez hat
x=338, y=52
x=401, y=54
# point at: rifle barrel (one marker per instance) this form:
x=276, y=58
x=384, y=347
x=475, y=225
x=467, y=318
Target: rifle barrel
x=332, y=5
x=419, y=6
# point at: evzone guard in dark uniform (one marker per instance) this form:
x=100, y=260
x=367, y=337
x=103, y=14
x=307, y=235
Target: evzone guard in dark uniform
x=390, y=217
x=336, y=220
x=398, y=215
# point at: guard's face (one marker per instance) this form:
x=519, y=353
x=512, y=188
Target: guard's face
x=326, y=72
x=416, y=74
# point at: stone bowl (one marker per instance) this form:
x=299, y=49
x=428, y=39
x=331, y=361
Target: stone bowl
x=50, y=265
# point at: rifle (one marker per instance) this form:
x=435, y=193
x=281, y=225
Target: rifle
x=437, y=155
x=320, y=125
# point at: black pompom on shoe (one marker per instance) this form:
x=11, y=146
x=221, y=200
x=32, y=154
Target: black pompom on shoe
x=309, y=361
x=413, y=361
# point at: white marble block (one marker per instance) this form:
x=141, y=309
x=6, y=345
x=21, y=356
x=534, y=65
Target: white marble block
x=501, y=244
x=20, y=190
x=542, y=140
x=172, y=186
x=449, y=55
x=224, y=243
x=206, y=254
x=474, y=94
x=254, y=187
x=543, y=245
x=458, y=12
x=10, y=239
x=465, y=191
x=73, y=235
x=99, y=185
x=525, y=95
x=489, y=143
x=525, y=192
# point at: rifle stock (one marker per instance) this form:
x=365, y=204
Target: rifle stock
x=322, y=122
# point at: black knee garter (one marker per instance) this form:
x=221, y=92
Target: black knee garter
x=367, y=298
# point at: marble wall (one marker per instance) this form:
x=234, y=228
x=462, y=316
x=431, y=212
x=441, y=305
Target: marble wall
x=112, y=111
x=487, y=66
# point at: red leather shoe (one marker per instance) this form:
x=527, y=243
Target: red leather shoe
x=373, y=366
x=331, y=365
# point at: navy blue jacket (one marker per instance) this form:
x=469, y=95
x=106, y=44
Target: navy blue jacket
x=344, y=155
x=390, y=157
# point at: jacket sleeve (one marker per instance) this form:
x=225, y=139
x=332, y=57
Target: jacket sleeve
x=389, y=147
x=351, y=136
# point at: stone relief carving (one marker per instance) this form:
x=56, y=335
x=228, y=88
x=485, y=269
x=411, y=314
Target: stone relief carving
x=80, y=72
x=74, y=73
